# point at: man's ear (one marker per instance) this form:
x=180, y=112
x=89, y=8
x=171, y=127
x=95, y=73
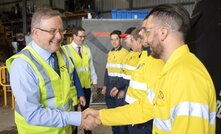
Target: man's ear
x=163, y=33
x=34, y=31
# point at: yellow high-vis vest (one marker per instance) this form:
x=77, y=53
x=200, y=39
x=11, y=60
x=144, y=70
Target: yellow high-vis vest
x=49, y=83
x=82, y=65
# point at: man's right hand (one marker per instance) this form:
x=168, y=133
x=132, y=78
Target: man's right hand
x=90, y=119
x=104, y=89
x=82, y=101
x=114, y=92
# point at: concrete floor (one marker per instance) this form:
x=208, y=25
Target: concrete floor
x=7, y=125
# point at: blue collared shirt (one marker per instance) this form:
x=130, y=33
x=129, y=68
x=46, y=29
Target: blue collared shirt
x=26, y=90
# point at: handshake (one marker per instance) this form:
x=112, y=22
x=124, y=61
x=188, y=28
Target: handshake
x=90, y=119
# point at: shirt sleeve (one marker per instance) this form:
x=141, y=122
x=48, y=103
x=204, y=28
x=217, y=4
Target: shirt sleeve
x=25, y=87
x=77, y=84
x=126, y=84
x=120, y=85
x=92, y=69
x=138, y=112
x=190, y=105
x=106, y=78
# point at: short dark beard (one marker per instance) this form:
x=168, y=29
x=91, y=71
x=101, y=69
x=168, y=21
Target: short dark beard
x=158, y=52
x=156, y=56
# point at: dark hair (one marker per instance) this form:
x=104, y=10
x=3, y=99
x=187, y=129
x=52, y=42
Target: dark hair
x=76, y=29
x=135, y=33
x=173, y=15
x=118, y=32
x=129, y=30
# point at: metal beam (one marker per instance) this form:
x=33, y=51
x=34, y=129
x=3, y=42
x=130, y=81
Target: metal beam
x=24, y=18
x=148, y=7
x=51, y=3
x=12, y=2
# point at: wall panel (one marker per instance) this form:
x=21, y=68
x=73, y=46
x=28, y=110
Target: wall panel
x=105, y=6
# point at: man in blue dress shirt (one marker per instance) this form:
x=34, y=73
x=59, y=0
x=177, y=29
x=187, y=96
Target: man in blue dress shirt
x=43, y=96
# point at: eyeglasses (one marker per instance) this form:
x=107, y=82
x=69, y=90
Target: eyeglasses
x=81, y=36
x=53, y=31
x=147, y=30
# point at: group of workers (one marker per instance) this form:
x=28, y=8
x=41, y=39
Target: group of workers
x=157, y=87
x=169, y=87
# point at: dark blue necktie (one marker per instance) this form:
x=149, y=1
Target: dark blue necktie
x=55, y=66
x=79, y=51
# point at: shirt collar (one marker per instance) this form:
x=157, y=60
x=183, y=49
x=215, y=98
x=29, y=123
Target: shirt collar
x=118, y=49
x=44, y=54
x=174, y=58
x=74, y=45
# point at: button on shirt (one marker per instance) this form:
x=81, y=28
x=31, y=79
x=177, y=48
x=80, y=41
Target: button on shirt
x=25, y=87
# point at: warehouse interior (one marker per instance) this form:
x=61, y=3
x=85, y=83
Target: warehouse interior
x=99, y=18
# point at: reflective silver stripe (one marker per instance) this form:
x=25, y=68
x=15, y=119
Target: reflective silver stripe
x=47, y=80
x=115, y=74
x=127, y=77
x=82, y=69
x=193, y=109
x=72, y=65
x=212, y=117
x=150, y=95
x=129, y=99
x=163, y=125
x=68, y=64
x=138, y=85
x=126, y=66
x=185, y=109
x=109, y=65
x=68, y=50
x=65, y=58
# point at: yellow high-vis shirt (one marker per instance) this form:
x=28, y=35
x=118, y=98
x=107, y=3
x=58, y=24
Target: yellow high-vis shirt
x=184, y=102
x=143, y=79
x=129, y=64
x=114, y=62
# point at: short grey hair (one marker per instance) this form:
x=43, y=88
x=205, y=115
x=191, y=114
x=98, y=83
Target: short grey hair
x=43, y=13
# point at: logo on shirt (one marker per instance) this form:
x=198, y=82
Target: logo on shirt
x=139, y=65
x=63, y=68
x=161, y=95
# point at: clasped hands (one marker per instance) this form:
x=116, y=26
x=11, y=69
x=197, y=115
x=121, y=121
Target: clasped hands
x=90, y=119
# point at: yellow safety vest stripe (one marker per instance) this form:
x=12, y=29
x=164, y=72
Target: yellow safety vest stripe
x=71, y=70
x=49, y=83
